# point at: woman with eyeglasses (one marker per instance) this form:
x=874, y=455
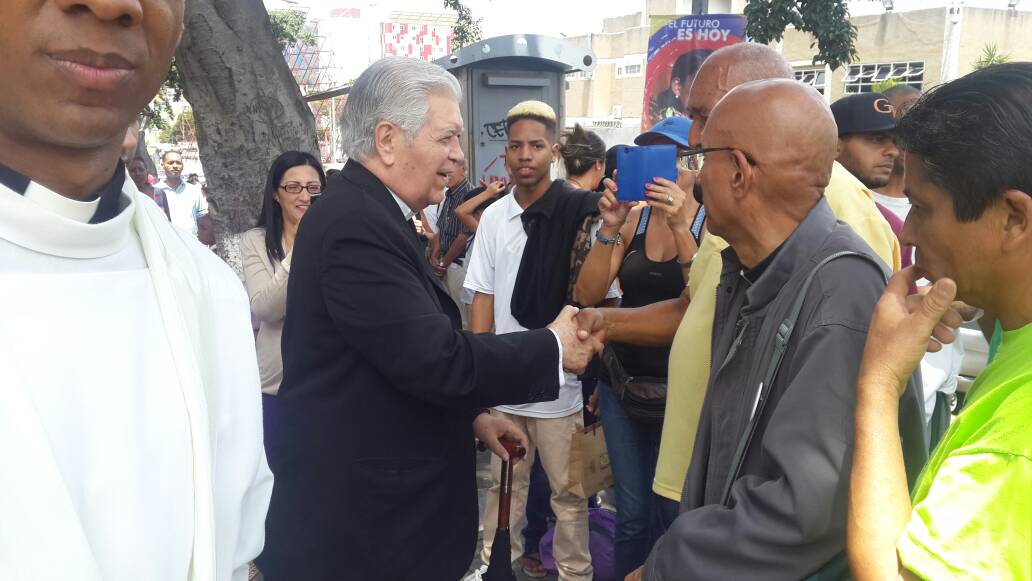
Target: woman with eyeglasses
x=295, y=180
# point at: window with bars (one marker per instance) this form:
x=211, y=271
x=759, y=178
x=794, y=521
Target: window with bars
x=863, y=78
x=629, y=69
x=815, y=77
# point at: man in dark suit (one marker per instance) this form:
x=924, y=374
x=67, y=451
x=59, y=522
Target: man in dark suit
x=382, y=389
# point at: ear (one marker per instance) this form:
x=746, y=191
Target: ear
x=1017, y=232
x=555, y=152
x=838, y=148
x=675, y=86
x=742, y=177
x=386, y=138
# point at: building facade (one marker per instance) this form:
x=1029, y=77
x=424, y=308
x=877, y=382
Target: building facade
x=918, y=42
x=921, y=48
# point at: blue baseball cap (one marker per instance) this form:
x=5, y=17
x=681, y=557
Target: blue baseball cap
x=673, y=128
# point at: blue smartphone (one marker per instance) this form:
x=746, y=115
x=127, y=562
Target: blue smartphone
x=637, y=166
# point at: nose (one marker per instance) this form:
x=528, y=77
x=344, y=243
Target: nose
x=907, y=236
x=455, y=153
x=892, y=150
x=695, y=133
x=123, y=12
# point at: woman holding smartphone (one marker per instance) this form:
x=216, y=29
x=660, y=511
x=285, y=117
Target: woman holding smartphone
x=649, y=248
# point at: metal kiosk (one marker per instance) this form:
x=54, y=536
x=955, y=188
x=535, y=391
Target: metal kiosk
x=496, y=74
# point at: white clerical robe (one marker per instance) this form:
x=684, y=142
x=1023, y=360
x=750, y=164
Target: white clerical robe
x=130, y=414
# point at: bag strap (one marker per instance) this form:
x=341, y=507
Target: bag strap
x=697, y=223
x=643, y=221
x=784, y=335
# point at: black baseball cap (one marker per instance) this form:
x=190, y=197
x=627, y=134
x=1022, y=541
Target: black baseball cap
x=863, y=113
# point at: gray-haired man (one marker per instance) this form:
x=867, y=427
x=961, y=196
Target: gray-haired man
x=380, y=384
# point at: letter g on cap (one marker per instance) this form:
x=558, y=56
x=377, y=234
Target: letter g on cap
x=883, y=106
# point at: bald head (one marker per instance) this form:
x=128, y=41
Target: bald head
x=727, y=68
x=785, y=125
x=783, y=139
x=748, y=61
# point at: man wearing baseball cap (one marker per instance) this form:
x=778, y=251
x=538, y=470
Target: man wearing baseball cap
x=866, y=146
x=867, y=149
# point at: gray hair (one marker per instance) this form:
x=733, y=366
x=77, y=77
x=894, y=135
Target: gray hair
x=393, y=89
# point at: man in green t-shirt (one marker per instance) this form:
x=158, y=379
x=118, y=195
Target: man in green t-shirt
x=968, y=147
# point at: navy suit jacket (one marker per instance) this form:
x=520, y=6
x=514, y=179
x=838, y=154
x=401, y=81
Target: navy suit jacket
x=375, y=464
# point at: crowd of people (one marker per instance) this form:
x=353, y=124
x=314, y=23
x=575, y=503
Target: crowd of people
x=768, y=339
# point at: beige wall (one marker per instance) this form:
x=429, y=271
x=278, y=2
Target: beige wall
x=1010, y=30
x=920, y=36
x=884, y=38
x=621, y=36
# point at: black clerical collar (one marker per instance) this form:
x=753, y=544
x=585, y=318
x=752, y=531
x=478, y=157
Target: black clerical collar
x=13, y=180
x=110, y=194
x=753, y=274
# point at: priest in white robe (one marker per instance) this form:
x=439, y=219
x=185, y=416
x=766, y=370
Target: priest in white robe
x=130, y=420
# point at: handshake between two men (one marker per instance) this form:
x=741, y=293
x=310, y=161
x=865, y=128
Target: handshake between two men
x=582, y=337
x=581, y=334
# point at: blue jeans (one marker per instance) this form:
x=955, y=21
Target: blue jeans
x=633, y=451
x=667, y=511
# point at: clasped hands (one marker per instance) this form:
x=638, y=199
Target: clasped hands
x=582, y=335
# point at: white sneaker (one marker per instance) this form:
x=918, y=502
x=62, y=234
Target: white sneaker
x=477, y=574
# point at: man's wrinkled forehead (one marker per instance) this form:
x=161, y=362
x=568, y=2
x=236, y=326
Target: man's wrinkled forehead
x=709, y=87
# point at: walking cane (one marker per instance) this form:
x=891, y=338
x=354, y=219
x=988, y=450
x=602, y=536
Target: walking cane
x=500, y=567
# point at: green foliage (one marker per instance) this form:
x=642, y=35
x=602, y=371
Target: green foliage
x=827, y=21
x=467, y=28
x=991, y=55
x=288, y=27
x=181, y=129
x=885, y=85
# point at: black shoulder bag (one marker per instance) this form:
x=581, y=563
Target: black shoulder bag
x=643, y=398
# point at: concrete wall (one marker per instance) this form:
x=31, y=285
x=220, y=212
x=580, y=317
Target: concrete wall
x=883, y=38
x=621, y=36
x=1010, y=30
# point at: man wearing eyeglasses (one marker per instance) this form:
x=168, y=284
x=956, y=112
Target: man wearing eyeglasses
x=766, y=488
x=688, y=320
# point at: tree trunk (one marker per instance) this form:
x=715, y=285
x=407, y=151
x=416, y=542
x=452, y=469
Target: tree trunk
x=247, y=108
